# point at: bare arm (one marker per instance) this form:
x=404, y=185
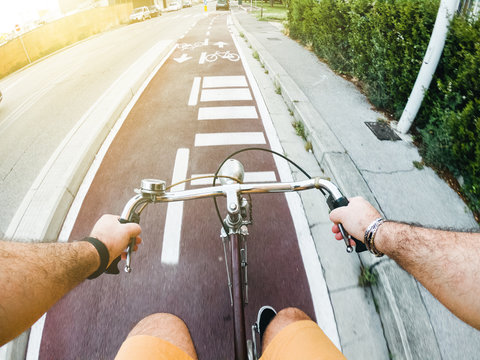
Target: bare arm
x=33, y=277
x=447, y=263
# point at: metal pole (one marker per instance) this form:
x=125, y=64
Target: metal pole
x=430, y=61
x=25, y=49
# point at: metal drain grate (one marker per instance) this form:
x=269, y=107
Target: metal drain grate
x=382, y=131
x=277, y=39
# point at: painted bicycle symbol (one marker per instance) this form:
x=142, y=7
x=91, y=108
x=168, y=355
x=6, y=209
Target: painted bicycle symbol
x=222, y=54
x=185, y=46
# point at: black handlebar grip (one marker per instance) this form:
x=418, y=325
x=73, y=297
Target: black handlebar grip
x=333, y=204
x=113, y=268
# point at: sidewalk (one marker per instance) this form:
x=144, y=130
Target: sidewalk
x=334, y=112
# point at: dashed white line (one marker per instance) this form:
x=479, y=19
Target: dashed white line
x=227, y=112
x=225, y=94
x=203, y=55
x=173, y=221
x=231, y=138
x=193, y=99
x=224, y=81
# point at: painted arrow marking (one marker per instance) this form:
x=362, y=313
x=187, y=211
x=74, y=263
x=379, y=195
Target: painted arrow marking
x=182, y=58
x=221, y=44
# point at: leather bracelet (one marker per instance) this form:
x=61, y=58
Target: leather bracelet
x=369, y=238
x=102, y=252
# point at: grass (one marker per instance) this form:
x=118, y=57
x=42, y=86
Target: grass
x=278, y=89
x=300, y=129
x=255, y=55
x=367, y=277
x=309, y=146
x=276, y=13
x=418, y=164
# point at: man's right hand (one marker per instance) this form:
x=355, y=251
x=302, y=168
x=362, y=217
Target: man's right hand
x=355, y=218
x=115, y=236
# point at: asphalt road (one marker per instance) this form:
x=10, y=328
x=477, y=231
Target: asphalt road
x=197, y=109
x=43, y=102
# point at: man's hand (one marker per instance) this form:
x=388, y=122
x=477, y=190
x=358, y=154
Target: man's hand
x=355, y=218
x=115, y=236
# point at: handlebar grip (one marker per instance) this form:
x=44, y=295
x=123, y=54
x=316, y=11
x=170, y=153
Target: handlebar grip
x=333, y=204
x=113, y=268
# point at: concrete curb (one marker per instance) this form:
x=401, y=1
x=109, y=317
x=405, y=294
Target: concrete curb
x=403, y=341
x=43, y=210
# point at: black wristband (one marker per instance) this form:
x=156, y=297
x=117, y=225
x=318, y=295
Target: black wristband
x=102, y=252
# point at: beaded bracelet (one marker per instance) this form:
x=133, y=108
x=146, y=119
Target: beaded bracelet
x=369, y=238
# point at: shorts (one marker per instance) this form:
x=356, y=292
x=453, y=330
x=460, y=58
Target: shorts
x=300, y=340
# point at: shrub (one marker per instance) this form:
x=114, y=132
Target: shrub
x=382, y=43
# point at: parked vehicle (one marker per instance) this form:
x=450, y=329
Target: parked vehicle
x=187, y=3
x=174, y=6
x=140, y=14
x=155, y=11
x=222, y=5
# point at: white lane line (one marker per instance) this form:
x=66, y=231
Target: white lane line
x=173, y=221
x=224, y=81
x=231, y=138
x=225, y=94
x=227, y=112
x=202, y=58
x=32, y=100
x=249, y=177
x=208, y=33
x=318, y=287
x=193, y=99
x=205, y=42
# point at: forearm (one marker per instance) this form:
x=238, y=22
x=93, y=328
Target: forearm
x=35, y=276
x=446, y=263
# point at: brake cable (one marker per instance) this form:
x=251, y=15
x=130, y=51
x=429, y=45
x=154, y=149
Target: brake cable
x=244, y=150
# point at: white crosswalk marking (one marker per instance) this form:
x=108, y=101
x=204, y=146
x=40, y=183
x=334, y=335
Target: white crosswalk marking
x=225, y=94
x=224, y=81
x=250, y=177
x=231, y=138
x=227, y=112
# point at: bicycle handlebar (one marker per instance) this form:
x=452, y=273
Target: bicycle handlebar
x=154, y=191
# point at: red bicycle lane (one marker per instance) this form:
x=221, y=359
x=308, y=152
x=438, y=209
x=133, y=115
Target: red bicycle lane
x=185, y=123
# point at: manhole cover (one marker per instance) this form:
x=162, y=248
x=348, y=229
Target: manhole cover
x=382, y=131
x=277, y=39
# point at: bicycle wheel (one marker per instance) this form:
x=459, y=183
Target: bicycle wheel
x=211, y=57
x=233, y=57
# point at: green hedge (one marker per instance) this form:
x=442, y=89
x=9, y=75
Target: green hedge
x=382, y=44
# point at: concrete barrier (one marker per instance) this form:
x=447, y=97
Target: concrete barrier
x=56, y=35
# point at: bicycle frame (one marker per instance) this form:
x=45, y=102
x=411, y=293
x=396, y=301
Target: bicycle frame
x=154, y=191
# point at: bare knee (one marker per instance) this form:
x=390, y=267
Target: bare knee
x=284, y=318
x=167, y=327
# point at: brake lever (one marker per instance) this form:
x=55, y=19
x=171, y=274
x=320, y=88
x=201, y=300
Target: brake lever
x=336, y=203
